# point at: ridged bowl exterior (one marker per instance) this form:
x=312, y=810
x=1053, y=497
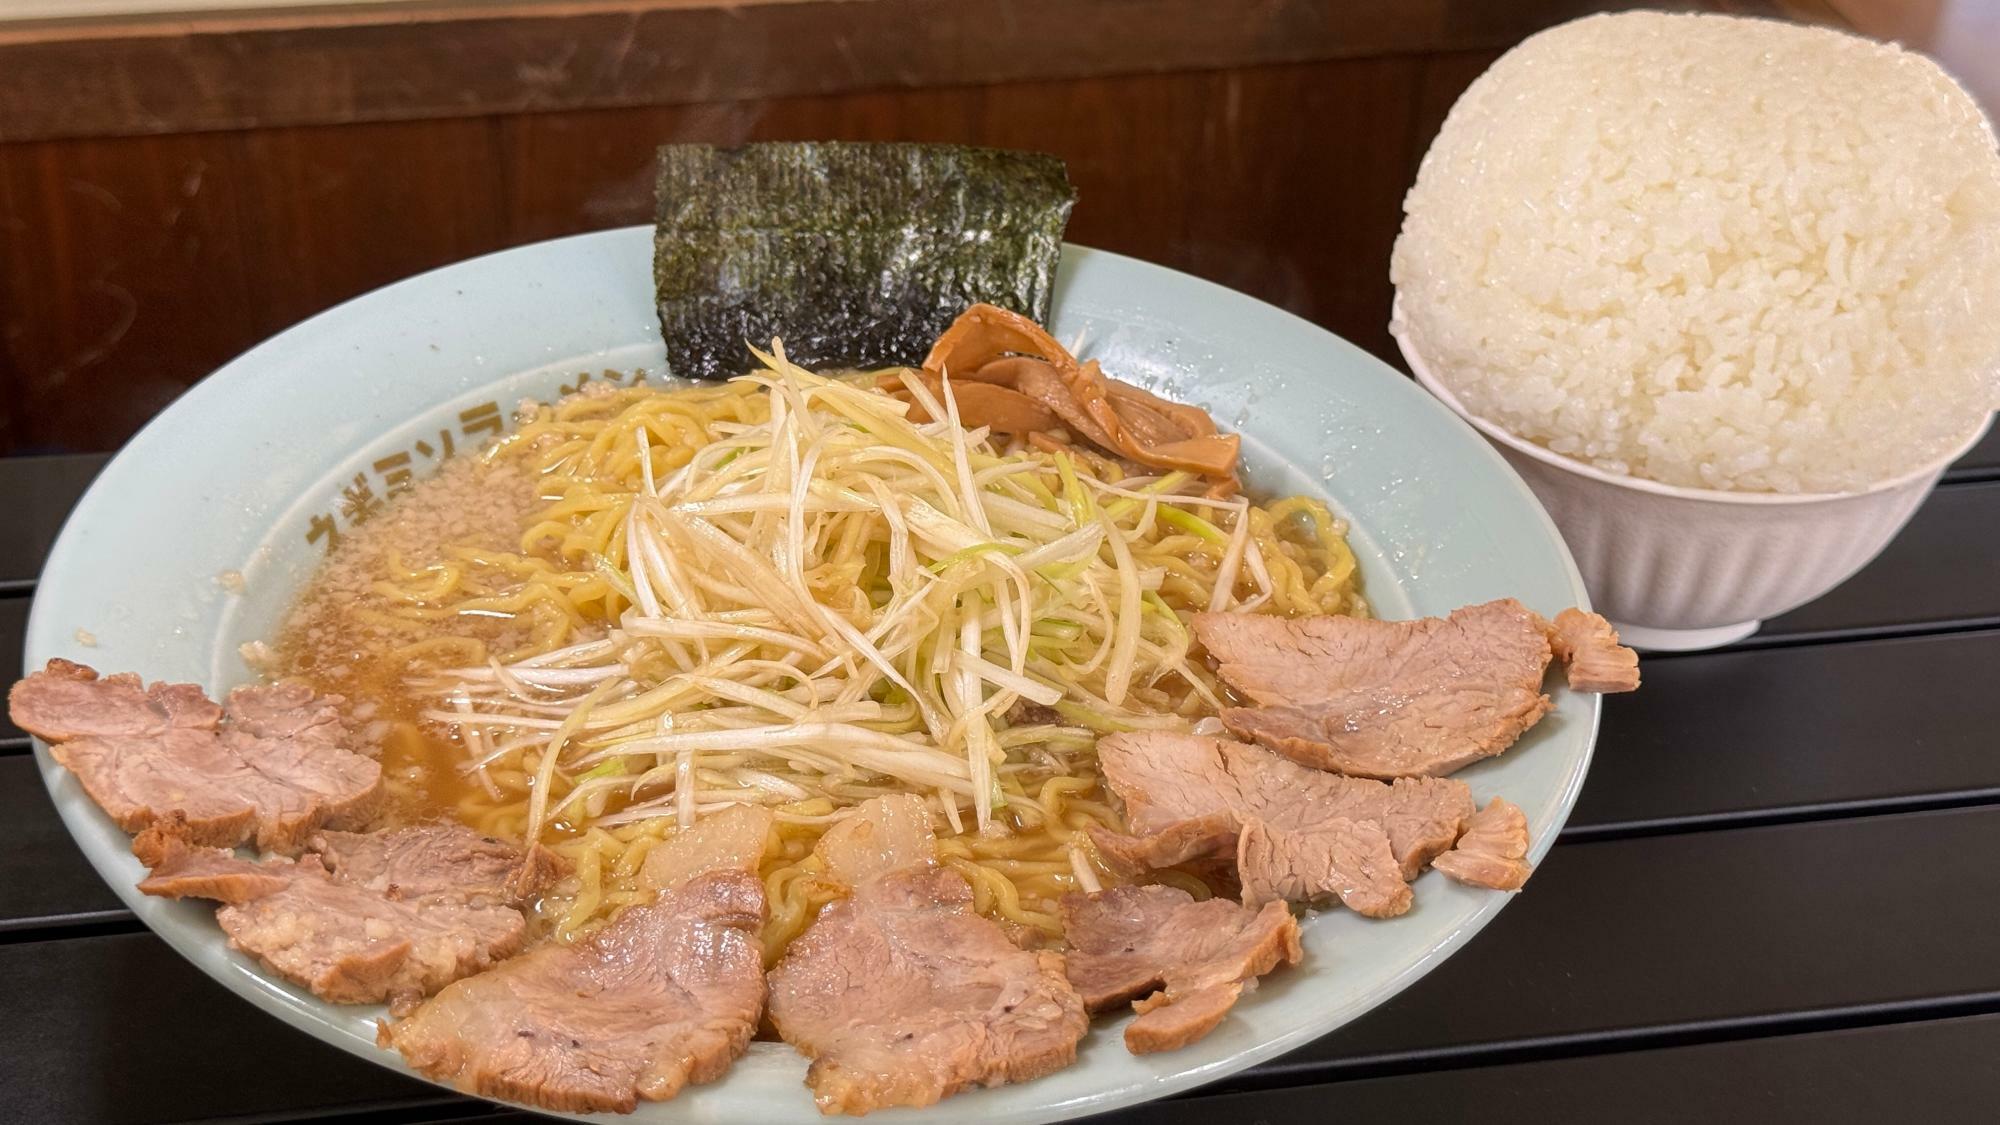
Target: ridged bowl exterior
x=1670, y=562
x=1686, y=560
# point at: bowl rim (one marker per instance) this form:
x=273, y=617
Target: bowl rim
x=1399, y=329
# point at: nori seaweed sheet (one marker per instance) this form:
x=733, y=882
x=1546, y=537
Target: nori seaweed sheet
x=855, y=254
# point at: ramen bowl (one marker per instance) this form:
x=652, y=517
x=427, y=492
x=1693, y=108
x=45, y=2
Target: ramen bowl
x=258, y=469
x=1682, y=569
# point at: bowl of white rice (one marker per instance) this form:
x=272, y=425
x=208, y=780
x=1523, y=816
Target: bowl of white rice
x=1726, y=293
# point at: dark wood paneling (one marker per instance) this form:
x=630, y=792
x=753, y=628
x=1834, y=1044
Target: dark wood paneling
x=1275, y=180
x=373, y=63
x=135, y=266
x=131, y=267
x=122, y=280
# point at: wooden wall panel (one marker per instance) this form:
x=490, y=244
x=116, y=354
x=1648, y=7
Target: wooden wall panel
x=173, y=191
x=134, y=266
x=465, y=58
x=124, y=279
x=129, y=267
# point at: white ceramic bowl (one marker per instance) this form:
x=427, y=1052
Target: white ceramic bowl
x=248, y=469
x=1679, y=569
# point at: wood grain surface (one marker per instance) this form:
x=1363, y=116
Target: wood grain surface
x=175, y=190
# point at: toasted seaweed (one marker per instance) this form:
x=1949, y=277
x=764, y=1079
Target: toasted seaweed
x=856, y=255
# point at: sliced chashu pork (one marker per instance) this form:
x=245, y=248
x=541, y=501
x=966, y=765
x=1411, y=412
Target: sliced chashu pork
x=1589, y=646
x=730, y=839
x=1180, y=963
x=289, y=710
x=1383, y=699
x=66, y=701
x=901, y=994
x=1184, y=787
x=435, y=859
x=1010, y=375
x=665, y=995
x=1494, y=850
x=345, y=940
x=270, y=768
x=1348, y=859
x=1388, y=699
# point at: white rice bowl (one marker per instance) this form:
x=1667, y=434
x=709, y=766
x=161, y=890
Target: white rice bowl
x=1714, y=252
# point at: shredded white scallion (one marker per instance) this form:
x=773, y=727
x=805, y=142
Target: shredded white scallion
x=839, y=601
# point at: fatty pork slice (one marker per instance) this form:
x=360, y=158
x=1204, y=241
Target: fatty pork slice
x=1589, y=646
x=665, y=995
x=734, y=838
x=270, y=768
x=288, y=711
x=1494, y=850
x=1346, y=859
x=1384, y=699
x=900, y=994
x=1181, y=963
x=67, y=701
x=1187, y=796
x=345, y=941
x=436, y=859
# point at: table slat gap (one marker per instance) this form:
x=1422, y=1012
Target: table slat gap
x=1803, y=814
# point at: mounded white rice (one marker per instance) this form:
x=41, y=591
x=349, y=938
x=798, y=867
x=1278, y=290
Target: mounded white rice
x=1717, y=252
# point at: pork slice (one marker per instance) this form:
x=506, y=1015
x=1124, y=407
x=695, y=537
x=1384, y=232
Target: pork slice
x=186, y=705
x=902, y=996
x=67, y=700
x=351, y=946
x=1183, y=963
x=141, y=779
x=425, y=860
x=338, y=789
x=341, y=940
x=1423, y=817
x=731, y=839
x=1347, y=859
x=1494, y=850
x=1186, y=795
x=1385, y=733
x=1589, y=646
x=1169, y=1025
x=250, y=774
x=1180, y=842
x=182, y=869
x=289, y=711
x=540, y=870
x=1301, y=660
x=665, y=995
x=1384, y=698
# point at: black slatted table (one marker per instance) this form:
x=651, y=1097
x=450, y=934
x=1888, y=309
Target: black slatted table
x=1778, y=900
